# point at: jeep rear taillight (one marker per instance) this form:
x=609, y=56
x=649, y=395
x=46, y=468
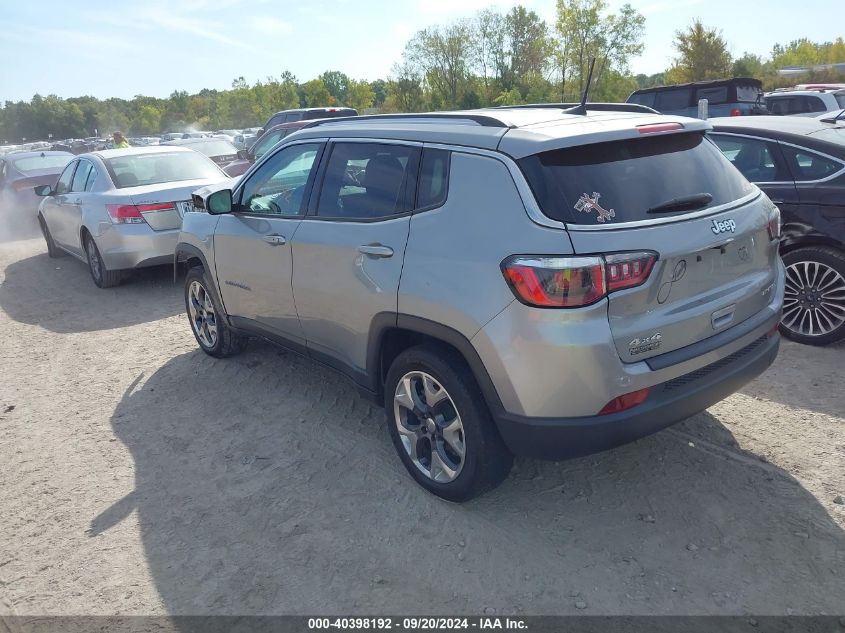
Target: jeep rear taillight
x=627, y=270
x=555, y=282
x=736, y=112
x=774, y=226
x=573, y=282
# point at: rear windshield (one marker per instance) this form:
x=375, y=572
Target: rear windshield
x=619, y=181
x=214, y=148
x=34, y=163
x=150, y=169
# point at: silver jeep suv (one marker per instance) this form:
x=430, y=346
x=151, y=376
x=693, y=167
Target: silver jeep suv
x=506, y=281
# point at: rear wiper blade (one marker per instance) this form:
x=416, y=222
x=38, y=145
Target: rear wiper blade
x=683, y=203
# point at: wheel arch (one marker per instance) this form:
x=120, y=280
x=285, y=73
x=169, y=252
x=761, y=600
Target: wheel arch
x=188, y=255
x=391, y=334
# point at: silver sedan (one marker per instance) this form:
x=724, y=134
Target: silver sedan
x=121, y=209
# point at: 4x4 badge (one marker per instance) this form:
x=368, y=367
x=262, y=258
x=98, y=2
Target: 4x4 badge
x=591, y=203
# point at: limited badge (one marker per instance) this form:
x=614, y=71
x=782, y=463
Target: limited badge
x=588, y=204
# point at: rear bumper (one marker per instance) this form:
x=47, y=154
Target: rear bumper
x=136, y=246
x=667, y=403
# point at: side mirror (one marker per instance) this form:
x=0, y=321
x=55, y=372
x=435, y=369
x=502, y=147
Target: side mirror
x=43, y=190
x=243, y=154
x=219, y=202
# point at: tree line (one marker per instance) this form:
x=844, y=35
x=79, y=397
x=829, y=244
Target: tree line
x=492, y=58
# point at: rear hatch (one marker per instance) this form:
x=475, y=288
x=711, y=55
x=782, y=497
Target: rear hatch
x=163, y=205
x=676, y=196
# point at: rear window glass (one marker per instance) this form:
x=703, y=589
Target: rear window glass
x=619, y=181
x=840, y=99
x=676, y=99
x=214, y=148
x=715, y=95
x=644, y=98
x=150, y=169
x=34, y=163
x=747, y=93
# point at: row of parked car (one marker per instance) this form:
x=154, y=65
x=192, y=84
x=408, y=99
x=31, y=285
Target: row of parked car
x=742, y=96
x=501, y=281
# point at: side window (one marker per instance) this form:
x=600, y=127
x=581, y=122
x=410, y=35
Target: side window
x=63, y=186
x=293, y=116
x=644, y=98
x=81, y=176
x=434, y=179
x=806, y=165
x=365, y=181
x=92, y=177
x=752, y=157
x=815, y=104
x=266, y=143
x=676, y=99
x=278, y=188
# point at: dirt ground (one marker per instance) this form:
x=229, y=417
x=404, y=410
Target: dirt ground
x=139, y=476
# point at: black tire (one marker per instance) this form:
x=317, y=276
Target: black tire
x=52, y=250
x=102, y=276
x=833, y=260
x=226, y=341
x=486, y=461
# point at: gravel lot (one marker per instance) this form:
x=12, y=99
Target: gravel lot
x=139, y=476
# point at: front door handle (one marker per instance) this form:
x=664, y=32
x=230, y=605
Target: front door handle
x=275, y=240
x=376, y=250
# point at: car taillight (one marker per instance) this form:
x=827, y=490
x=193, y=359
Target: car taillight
x=573, y=282
x=627, y=270
x=774, y=224
x=131, y=214
x=625, y=402
x=736, y=112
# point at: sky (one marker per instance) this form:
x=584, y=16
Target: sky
x=121, y=48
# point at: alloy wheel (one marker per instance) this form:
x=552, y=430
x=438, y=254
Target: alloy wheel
x=429, y=426
x=814, y=300
x=203, y=317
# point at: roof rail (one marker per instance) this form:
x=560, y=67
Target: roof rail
x=419, y=117
x=596, y=107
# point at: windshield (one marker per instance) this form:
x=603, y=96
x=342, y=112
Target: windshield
x=35, y=163
x=619, y=181
x=214, y=148
x=150, y=169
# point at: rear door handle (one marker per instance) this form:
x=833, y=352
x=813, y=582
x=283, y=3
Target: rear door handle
x=275, y=240
x=376, y=250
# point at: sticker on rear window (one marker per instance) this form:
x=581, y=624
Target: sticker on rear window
x=588, y=204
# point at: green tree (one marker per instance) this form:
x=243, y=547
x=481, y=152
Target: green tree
x=359, y=95
x=316, y=94
x=337, y=83
x=702, y=54
x=442, y=55
x=586, y=30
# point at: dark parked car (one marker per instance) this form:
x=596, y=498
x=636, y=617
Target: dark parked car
x=800, y=163
x=260, y=147
x=307, y=114
x=219, y=150
x=20, y=172
x=725, y=97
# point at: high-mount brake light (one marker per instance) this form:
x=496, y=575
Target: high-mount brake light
x=573, y=282
x=654, y=128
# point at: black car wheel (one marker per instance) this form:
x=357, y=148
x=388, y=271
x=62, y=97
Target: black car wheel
x=102, y=276
x=208, y=323
x=441, y=426
x=814, y=301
